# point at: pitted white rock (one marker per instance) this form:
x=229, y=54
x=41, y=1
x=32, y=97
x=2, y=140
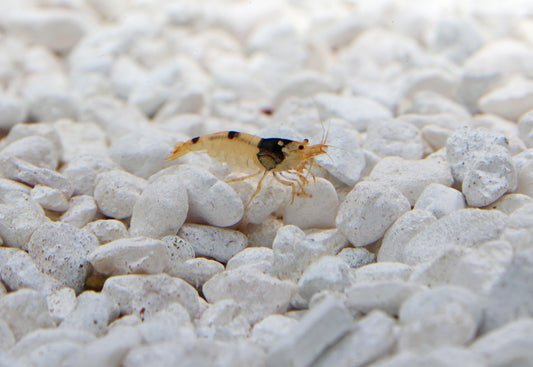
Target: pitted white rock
x=356, y=257
x=130, y=255
x=368, y=211
x=218, y=243
x=116, y=193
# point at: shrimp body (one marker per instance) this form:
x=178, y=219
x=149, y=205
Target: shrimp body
x=247, y=152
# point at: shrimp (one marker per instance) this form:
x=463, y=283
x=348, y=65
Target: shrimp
x=247, y=152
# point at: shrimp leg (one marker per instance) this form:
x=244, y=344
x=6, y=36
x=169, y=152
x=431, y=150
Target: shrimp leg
x=257, y=189
x=243, y=178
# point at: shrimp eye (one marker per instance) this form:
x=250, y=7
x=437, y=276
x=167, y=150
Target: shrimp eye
x=300, y=147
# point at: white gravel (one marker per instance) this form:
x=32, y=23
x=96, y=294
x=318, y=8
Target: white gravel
x=413, y=247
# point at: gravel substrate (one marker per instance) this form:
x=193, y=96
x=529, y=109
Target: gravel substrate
x=413, y=248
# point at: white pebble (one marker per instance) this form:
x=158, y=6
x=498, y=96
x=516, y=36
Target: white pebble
x=440, y=200
x=42, y=129
x=509, y=101
x=411, y=177
x=258, y=257
x=394, y=138
x=18, y=271
x=19, y=170
x=116, y=193
x=49, y=198
x=180, y=250
x=258, y=294
x=317, y=211
x=360, y=112
x=224, y=321
x=61, y=303
x=107, y=230
x=218, y=243
x=93, y=312
x=385, y=295
x=83, y=169
x=508, y=203
x=262, y=235
x=525, y=128
x=79, y=139
x=382, y=271
x=321, y=327
x=508, y=345
x=525, y=179
x=12, y=111
x=171, y=324
x=426, y=106
x=130, y=255
x=466, y=227
x=61, y=250
x=25, y=310
x=36, y=150
x=7, y=339
x=368, y=211
x=144, y=295
x=161, y=209
x=509, y=297
x=519, y=228
x=210, y=200
x=272, y=328
x=439, y=80
x=329, y=272
x=371, y=337
x=81, y=210
x=401, y=232
x=356, y=257
x=480, y=160
x=195, y=271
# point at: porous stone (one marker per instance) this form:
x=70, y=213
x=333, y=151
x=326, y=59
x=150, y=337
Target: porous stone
x=161, y=209
x=315, y=211
x=440, y=200
x=320, y=328
x=61, y=250
x=25, y=310
x=258, y=294
x=465, y=227
x=356, y=257
x=329, y=272
x=144, y=295
x=218, y=243
x=180, y=250
x=81, y=210
x=368, y=211
x=130, y=255
x=411, y=177
x=480, y=160
x=116, y=193
x=401, y=232
x=107, y=230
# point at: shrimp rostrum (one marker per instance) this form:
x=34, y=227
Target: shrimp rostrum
x=241, y=151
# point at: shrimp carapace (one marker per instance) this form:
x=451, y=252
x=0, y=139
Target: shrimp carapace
x=247, y=152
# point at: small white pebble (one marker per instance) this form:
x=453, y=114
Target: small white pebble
x=525, y=128
x=260, y=257
x=329, y=272
x=49, y=198
x=36, y=150
x=83, y=169
x=223, y=320
x=356, y=257
x=195, y=271
x=61, y=303
x=82, y=209
x=107, y=230
x=394, y=138
x=440, y=200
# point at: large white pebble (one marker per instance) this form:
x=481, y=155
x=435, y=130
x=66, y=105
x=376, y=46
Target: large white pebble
x=360, y=112
x=510, y=100
x=329, y=272
x=394, y=138
x=19, y=271
x=401, y=232
x=218, y=243
x=82, y=209
x=116, y=193
x=36, y=150
x=61, y=250
x=83, y=169
x=411, y=176
x=372, y=337
x=24, y=311
x=508, y=345
x=321, y=327
x=440, y=200
x=144, y=295
x=195, y=271
x=161, y=209
x=131, y=255
x=49, y=198
x=385, y=295
x=509, y=297
x=93, y=312
x=210, y=200
x=466, y=227
x=368, y=211
x=315, y=211
x=258, y=294
x=525, y=128
x=107, y=230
